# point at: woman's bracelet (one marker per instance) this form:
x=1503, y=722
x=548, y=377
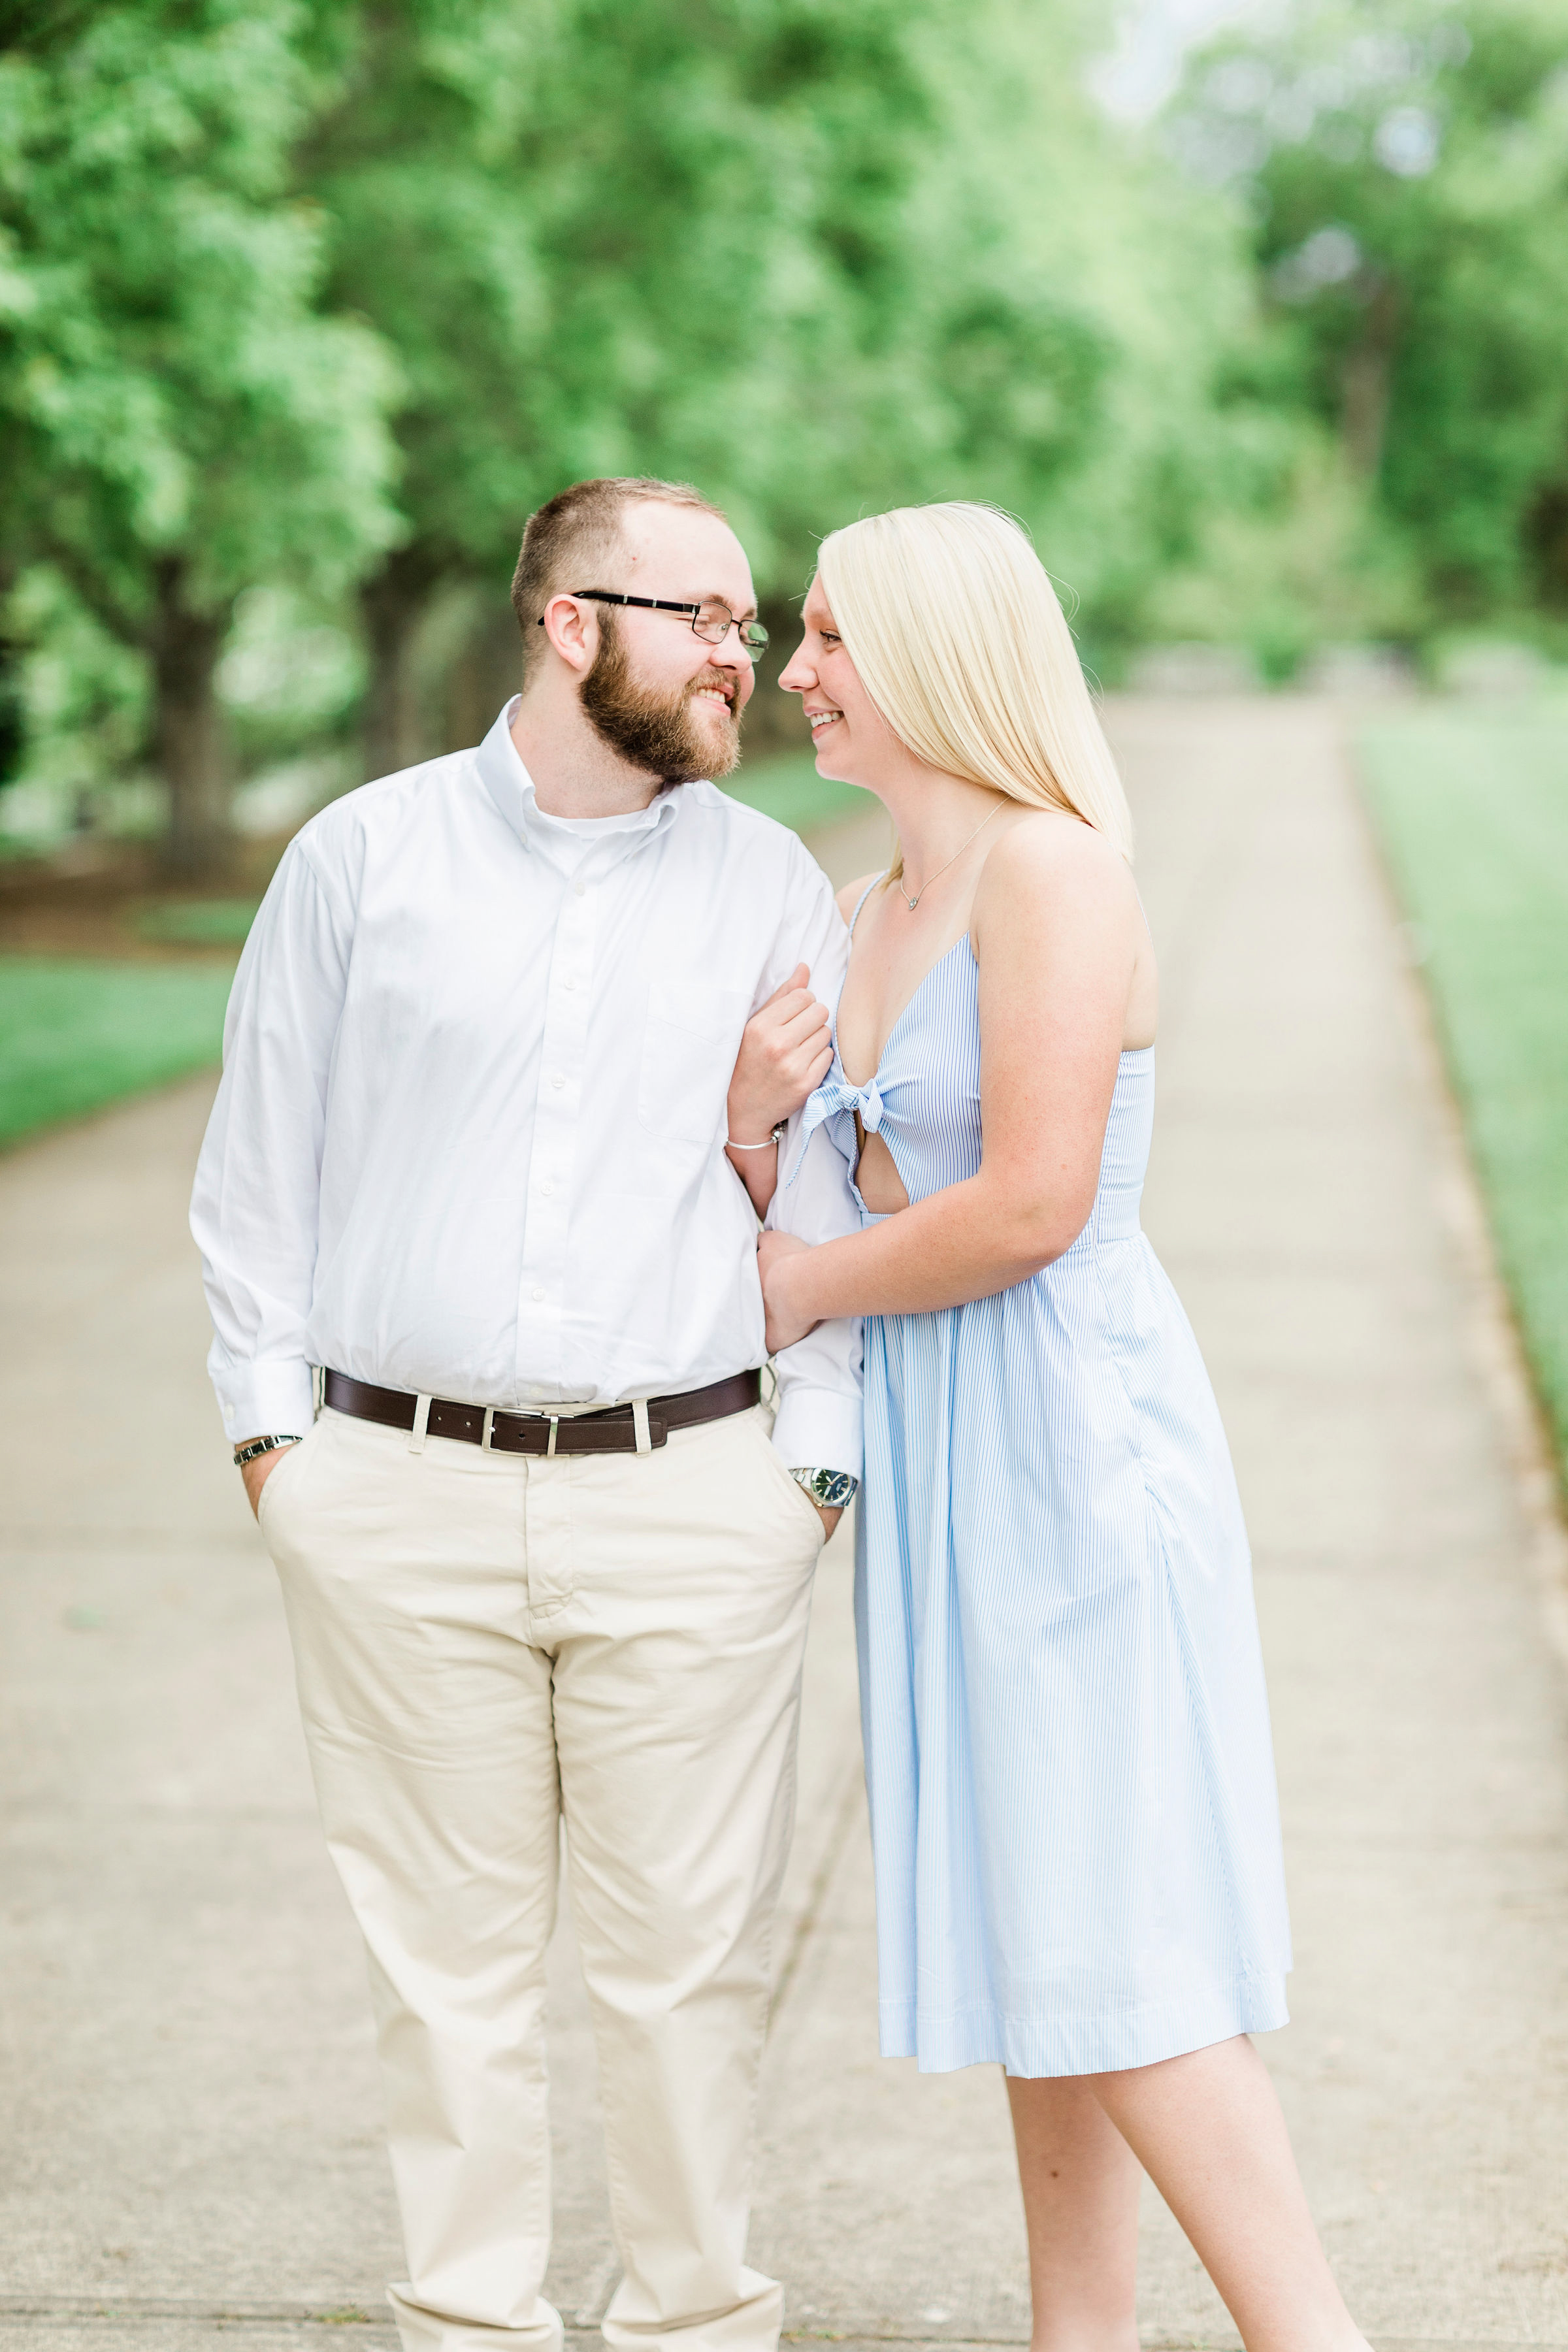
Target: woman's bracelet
x=776, y=1137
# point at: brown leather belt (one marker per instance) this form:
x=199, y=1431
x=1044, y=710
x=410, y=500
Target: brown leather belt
x=613, y=1431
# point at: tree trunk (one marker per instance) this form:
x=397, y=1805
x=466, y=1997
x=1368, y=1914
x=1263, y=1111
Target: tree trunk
x=13, y=702
x=1366, y=380
x=393, y=602
x=12, y=712
x=486, y=674
x=187, y=722
x=1546, y=537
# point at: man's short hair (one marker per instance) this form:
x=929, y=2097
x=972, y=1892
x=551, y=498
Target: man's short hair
x=578, y=532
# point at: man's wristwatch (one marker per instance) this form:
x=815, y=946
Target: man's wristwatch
x=828, y=1489
x=257, y=1447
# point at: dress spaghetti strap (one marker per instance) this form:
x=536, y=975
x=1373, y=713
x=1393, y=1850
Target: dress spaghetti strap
x=862, y=898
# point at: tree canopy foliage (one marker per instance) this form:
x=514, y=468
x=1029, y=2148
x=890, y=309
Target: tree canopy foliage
x=321, y=297
x=1405, y=169
x=180, y=418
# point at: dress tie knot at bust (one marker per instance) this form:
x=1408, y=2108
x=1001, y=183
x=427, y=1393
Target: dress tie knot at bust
x=866, y=1100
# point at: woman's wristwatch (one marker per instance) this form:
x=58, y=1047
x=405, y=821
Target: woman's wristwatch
x=828, y=1489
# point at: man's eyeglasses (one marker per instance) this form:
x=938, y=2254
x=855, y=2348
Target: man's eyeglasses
x=712, y=621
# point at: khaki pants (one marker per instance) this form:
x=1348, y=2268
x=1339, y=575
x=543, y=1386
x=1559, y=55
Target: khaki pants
x=488, y=1643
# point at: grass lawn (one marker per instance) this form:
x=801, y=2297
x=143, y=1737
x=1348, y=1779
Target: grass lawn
x=199, y=922
x=77, y=1033
x=1471, y=806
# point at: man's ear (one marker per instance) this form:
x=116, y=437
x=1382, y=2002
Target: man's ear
x=573, y=631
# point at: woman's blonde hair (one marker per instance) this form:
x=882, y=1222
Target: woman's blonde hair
x=956, y=634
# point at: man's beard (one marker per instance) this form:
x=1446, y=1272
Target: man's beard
x=658, y=733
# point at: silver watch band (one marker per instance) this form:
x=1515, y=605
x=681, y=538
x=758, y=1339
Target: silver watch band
x=258, y=1446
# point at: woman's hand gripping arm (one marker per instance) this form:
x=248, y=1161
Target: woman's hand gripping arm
x=785, y=1049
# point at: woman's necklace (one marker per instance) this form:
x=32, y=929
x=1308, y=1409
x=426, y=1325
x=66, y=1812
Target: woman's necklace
x=912, y=903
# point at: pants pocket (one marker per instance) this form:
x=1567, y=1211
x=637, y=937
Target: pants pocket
x=796, y=1494
x=289, y=1471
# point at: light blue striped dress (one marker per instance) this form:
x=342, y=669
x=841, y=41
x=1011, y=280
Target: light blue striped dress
x=1068, y=1751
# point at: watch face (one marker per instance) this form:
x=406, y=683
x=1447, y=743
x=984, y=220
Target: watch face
x=831, y=1488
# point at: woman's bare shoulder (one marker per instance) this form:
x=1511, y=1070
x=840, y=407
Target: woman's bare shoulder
x=1047, y=852
x=849, y=898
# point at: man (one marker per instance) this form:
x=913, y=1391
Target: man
x=478, y=1155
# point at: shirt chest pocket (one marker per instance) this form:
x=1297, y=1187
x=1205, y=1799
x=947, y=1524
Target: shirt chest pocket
x=690, y=1043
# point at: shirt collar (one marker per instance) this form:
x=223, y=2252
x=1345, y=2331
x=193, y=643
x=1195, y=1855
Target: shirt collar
x=511, y=788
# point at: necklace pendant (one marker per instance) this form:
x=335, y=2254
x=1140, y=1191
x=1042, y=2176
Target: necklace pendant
x=912, y=903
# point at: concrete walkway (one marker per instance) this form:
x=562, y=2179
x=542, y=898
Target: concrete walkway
x=192, y=2154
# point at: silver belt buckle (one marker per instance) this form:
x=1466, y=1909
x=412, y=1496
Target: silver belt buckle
x=487, y=1434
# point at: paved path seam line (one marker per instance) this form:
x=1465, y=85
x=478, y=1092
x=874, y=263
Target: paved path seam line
x=138, y=2312
x=142, y=2310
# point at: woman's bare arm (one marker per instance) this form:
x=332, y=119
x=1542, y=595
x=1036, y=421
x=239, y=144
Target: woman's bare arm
x=1056, y=928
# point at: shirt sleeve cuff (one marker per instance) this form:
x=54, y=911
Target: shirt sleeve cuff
x=273, y=1399
x=818, y=1429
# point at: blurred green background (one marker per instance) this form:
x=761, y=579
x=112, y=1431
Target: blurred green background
x=304, y=304
x=1256, y=315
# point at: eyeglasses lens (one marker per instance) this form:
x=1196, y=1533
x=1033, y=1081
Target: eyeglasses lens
x=714, y=621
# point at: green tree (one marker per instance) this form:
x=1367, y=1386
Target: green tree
x=595, y=239
x=1405, y=164
x=1127, y=289
x=177, y=418
x=818, y=259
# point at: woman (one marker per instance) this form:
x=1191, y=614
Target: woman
x=1066, y=1738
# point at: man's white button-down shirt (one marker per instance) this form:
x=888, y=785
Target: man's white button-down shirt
x=470, y=1140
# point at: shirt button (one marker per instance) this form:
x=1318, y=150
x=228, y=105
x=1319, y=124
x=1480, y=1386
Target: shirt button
x=547, y=1187
x=570, y=986
x=581, y=889
x=536, y=1294
x=558, y=1080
